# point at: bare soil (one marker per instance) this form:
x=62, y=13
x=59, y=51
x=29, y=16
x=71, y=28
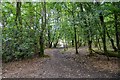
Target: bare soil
x=63, y=64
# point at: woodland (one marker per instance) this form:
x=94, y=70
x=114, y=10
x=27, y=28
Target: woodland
x=60, y=39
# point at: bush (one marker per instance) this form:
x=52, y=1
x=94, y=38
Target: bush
x=15, y=46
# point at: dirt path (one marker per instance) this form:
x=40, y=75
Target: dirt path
x=61, y=64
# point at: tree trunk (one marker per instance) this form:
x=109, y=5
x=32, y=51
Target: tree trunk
x=49, y=37
x=75, y=32
x=55, y=45
x=96, y=38
x=43, y=26
x=99, y=44
x=104, y=32
x=117, y=33
x=90, y=47
x=72, y=43
x=42, y=40
x=75, y=40
x=18, y=19
x=112, y=42
x=50, y=44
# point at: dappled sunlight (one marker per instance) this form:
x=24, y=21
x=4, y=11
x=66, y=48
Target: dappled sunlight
x=60, y=39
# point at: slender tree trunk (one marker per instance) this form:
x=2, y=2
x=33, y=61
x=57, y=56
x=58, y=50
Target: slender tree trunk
x=112, y=42
x=18, y=22
x=75, y=40
x=75, y=32
x=104, y=32
x=99, y=44
x=43, y=26
x=55, y=45
x=117, y=29
x=78, y=41
x=72, y=43
x=18, y=19
x=96, y=38
x=50, y=44
x=49, y=37
x=117, y=32
x=42, y=40
x=75, y=36
x=89, y=40
x=90, y=46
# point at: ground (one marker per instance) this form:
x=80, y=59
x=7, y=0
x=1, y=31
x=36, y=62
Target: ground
x=63, y=64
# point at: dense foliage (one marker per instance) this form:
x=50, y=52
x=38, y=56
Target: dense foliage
x=28, y=28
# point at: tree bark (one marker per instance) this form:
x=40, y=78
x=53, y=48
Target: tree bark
x=55, y=45
x=75, y=36
x=43, y=26
x=117, y=32
x=72, y=43
x=75, y=32
x=104, y=32
x=75, y=40
x=112, y=42
x=42, y=40
x=18, y=19
x=99, y=44
x=49, y=37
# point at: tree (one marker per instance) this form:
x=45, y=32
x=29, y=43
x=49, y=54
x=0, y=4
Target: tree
x=18, y=19
x=43, y=26
x=74, y=26
x=117, y=30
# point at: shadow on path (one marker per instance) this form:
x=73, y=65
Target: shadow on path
x=61, y=64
